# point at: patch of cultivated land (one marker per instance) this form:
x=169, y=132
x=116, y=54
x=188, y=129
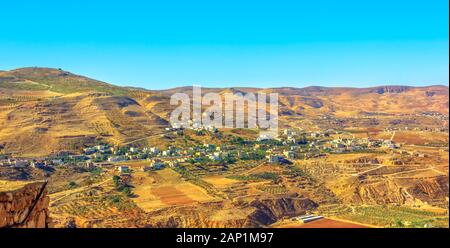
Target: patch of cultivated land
x=323, y=223
x=220, y=181
x=96, y=205
x=262, y=168
x=165, y=188
x=398, y=216
x=171, y=196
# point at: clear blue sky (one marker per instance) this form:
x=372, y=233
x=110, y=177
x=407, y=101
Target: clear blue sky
x=232, y=43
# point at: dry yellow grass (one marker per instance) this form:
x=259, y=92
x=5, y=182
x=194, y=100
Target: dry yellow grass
x=12, y=185
x=220, y=181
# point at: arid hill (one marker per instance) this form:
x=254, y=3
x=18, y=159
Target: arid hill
x=43, y=110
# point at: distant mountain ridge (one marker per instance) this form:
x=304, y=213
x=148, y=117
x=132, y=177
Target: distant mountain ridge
x=50, y=77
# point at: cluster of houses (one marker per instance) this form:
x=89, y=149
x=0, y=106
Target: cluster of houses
x=434, y=114
x=290, y=145
x=193, y=125
x=277, y=159
x=319, y=144
x=158, y=164
x=280, y=156
x=34, y=163
x=20, y=163
x=411, y=153
x=423, y=129
x=155, y=164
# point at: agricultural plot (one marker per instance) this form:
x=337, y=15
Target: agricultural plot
x=92, y=206
x=273, y=189
x=220, y=182
x=165, y=188
x=394, y=216
x=323, y=223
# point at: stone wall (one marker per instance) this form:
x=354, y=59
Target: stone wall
x=24, y=206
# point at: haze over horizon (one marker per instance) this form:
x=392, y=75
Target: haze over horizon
x=251, y=44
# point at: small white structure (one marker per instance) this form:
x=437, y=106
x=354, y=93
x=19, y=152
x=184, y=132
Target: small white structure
x=37, y=164
x=173, y=164
x=307, y=218
x=117, y=159
x=89, y=150
x=273, y=159
x=315, y=134
x=57, y=162
x=214, y=157
x=263, y=137
x=211, y=128
x=389, y=144
x=288, y=132
x=21, y=163
x=208, y=146
x=101, y=147
x=157, y=165
x=123, y=169
x=289, y=154
x=154, y=150
x=89, y=164
x=167, y=153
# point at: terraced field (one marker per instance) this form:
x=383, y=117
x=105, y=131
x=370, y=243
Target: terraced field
x=324, y=223
x=398, y=216
x=165, y=188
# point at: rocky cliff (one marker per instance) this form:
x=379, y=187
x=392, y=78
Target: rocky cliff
x=254, y=213
x=24, y=204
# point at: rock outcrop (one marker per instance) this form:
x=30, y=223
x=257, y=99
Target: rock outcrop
x=268, y=211
x=248, y=214
x=24, y=205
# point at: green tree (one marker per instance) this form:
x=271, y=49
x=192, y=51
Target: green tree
x=72, y=184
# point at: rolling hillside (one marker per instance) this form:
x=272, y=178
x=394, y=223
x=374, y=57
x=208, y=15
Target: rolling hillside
x=45, y=110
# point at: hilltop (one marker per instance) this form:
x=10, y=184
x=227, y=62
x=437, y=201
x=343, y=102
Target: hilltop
x=55, y=80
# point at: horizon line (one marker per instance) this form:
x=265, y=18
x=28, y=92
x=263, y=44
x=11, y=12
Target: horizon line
x=186, y=85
